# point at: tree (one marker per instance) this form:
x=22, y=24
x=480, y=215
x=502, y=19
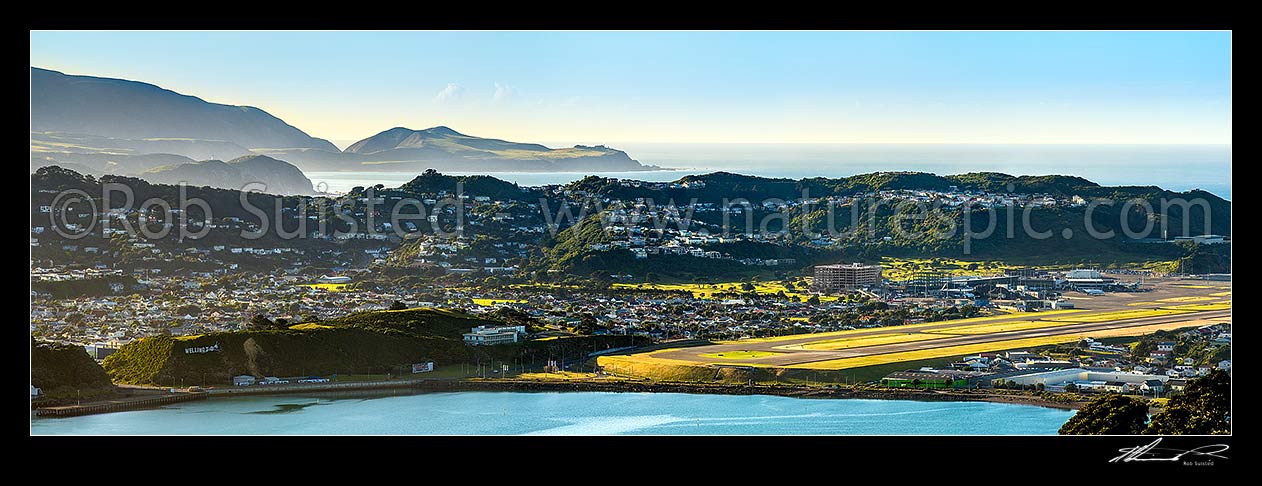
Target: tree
x=814, y=300
x=747, y=287
x=1204, y=407
x=1110, y=414
x=587, y=324
x=260, y=321
x=1070, y=387
x=396, y=305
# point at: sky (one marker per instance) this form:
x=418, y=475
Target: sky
x=693, y=87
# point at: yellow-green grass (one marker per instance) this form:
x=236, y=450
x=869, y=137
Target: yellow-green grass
x=1120, y=315
x=1202, y=307
x=558, y=375
x=710, y=290
x=1221, y=294
x=904, y=269
x=908, y=327
x=658, y=368
x=187, y=338
x=1186, y=299
x=740, y=354
x=1139, y=304
x=309, y=326
x=491, y=302
x=800, y=319
x=997, y=327
x=966, y=349
x=861, y=341
x=329, y=287
x=1195, y=286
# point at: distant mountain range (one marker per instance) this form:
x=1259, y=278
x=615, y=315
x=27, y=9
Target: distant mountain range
x=119, y=108
x=402, y=149
x=118, y=126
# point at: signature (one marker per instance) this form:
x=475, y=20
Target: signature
x=1150, y=452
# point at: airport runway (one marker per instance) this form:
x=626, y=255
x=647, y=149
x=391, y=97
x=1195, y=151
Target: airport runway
x=790, y=350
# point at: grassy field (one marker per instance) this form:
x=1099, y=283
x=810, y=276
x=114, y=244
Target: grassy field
x=1221, y=294
x=1201, y=307
x=561, y=376
x=494, y=302
x=1119, y=315
x=309, y=326
x=741, y=354
x=861, y=341
x=709, y=290
x=904, y=269
x=1186, y=299
x=1194, y=286
x=328, y=287
x=657, y=368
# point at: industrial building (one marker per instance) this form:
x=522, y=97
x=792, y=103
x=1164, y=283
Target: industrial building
x=1203, y=239
x=846, y=276
x=1090, y=380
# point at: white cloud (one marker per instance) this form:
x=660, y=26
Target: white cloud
x=451, y=92
x=503, y=93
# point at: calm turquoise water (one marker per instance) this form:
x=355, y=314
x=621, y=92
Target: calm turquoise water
x=576, y=413
x=1173, y=167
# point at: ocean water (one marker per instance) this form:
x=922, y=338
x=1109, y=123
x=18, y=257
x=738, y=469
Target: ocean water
x=571, y=413
x=1174, y=167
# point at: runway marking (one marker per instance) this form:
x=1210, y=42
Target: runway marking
x=858, y=342
x=1186, y=299
x=743, y=354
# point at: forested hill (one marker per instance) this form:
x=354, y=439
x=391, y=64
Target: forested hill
x=717, y=187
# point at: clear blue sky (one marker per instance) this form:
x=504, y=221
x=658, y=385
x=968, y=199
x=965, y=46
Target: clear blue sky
x=607, y=87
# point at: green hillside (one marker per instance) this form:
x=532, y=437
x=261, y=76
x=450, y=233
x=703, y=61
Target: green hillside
x=370, y=342
x=66, y=371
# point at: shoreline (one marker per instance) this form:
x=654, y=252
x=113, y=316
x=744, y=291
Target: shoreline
x=619, y=386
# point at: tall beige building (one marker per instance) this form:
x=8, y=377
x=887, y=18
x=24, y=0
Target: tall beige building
x=845, y=276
